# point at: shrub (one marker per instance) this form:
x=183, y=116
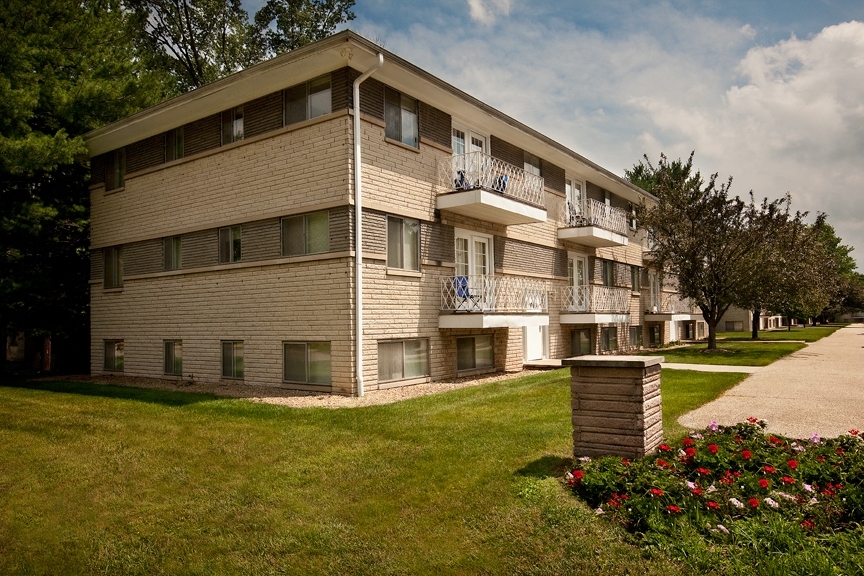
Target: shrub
x=733, y=493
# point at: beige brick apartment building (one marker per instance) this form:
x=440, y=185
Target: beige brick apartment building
x=224, y=225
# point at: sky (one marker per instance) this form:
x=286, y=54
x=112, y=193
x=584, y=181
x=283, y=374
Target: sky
x=770, y=93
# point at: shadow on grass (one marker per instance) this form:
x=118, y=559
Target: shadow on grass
x=546, y=467
x=163, y=397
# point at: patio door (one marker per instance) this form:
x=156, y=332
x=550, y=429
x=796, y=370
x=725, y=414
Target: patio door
x=474, y=267
x=654, y=292
x=467, y=167
x=577, y=279
x=574, y=199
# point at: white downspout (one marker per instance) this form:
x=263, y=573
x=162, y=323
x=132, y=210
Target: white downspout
x=358, y=225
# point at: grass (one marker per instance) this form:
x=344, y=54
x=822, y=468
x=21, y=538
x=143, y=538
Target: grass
x=111, y=480
x=732, y=353
x=686, y=390
x=811, y=334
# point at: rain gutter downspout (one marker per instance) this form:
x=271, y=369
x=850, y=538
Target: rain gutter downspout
x=358, y=225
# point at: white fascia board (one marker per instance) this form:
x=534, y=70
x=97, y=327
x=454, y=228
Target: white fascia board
x=594, y=318
x=479, y=320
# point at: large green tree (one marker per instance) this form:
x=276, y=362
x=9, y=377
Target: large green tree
x=66, y=67
x=700, y=233
x=288, y=24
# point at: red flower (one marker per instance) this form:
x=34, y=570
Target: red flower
x=788, y=479
x=664, y=448
x=655, y=492
x=746, y=454
x=840, y=451
x=752, y=419
x=792, y=464
x=673, y=509
x=712, y=448
x=687, y=442
x=820, y=459
x=662, y=463
x=854, y=432
x=775, y=441
x=703, y=471
x=808, y=524
x=690, y=452
x=769, y=469
x=625, y=462
x=696, y=492
x=578, y=474
x=713, y=505
x=764, y=483
x=736, y=474
x=754, y=502
x=738, y=439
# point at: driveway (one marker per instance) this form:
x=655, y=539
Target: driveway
x=817, y=389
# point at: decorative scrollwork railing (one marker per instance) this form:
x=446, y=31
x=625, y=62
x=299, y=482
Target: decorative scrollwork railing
x=595, y=299
x=670, y=304
x=486, y=293
x=594, y=214
x=478, y=170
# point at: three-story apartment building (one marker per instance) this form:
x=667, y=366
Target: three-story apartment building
x=224, y=227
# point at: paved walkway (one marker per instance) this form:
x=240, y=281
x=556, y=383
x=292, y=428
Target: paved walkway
x=817, y=389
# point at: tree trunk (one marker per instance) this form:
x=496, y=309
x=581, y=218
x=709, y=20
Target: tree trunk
x=754, y=332
x=46, y=352
x=712, y=336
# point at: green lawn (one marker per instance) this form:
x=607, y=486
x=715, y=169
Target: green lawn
x=110, y=480
x=732, y=353
x=685, y=390
x=810, y=334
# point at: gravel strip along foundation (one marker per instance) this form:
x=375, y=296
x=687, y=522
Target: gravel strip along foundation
x=294, y=398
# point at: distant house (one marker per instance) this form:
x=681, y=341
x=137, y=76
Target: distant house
x=224, y=224
x=740, y=320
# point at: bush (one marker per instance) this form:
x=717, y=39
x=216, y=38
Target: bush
x=733, y=498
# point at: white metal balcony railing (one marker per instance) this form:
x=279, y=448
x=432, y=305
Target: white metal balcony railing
x=478, y=170
x=670, y=304
x=485, y=293
x=593, y=298
x=594, y=213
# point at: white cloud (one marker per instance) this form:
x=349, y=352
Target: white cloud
x=486, y=11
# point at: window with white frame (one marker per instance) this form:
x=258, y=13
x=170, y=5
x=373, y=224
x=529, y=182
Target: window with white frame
x=308, y=100
x=400, y=117
x=306, y=234
x=473, y=254
x=113, y=267
x=232, y=125
x=173, y=357
x=635, y=336
x=403, y=243
x=171, y=253
x=532, y=163
x=403, y=359
x=232, y=359
x=113, y=355
x=475, y=352
x=229, y=244
x=608, y=339
x=306, y=362
x=174, y=146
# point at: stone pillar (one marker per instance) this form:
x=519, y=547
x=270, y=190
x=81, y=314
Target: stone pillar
x=616, y=405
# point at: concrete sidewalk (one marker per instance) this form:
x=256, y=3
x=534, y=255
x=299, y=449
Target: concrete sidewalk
x=711, y=367
x=817, y=389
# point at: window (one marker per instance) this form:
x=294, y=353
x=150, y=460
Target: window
x=403, y=243
x=636, y=278
x=636, y=336
x=688, y=330
x=655, y=336
x=607, y=198
x=475, y=352
x=229, y=244
x=171, y=253
x=174, y=144
x=232, y=125
x=173, y=357
x=632, y=211
x=734, y=326
x=532, y=163
x=580, y=342
x=400, y=117
x=306, y=234
x=608, y=271
x=308, y=100
x=306, y=362
x=114, y=355
x=608, y=339
x=232, y=359
x=700, y=329
x=403, y=359
x=113, y=267
x=115, y=171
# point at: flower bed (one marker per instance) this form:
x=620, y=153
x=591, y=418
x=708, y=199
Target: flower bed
x=719, y=485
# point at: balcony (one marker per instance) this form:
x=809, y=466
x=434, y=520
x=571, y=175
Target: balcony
x=486, y=301
x=594, y=224
x=670, y=308
x=480, y=186
x=595, y=305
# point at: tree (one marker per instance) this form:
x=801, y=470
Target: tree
x=838, y=258
x=66, y=68
x=698, y=233
x=299, y=22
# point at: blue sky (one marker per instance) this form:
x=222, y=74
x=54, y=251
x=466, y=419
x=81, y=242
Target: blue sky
x=768, y=92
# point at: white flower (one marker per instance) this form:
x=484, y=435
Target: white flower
x=808, y=487
x=800, y=448
x=568, y=475
x=599, y=511
x=695, y=435
x=735, y=502
x=783, y=495
x=691, y=485
x=771, y=503
x=723, y=528
x=711, y=488
x=585, y=459
x=813, y=501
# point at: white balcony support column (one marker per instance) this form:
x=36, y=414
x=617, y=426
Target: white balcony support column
x=358, y=225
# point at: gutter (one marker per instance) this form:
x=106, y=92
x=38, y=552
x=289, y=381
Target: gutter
x=358, y=225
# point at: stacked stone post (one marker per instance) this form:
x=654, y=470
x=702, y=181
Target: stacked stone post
x=616, y=403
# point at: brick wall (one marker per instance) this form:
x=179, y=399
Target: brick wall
x=202, y=135
x=507, y=152
x=142, y=257
x=262, y=115
x=145, y=153
x=530, y=258
x=435, y=125
x=553, y=176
